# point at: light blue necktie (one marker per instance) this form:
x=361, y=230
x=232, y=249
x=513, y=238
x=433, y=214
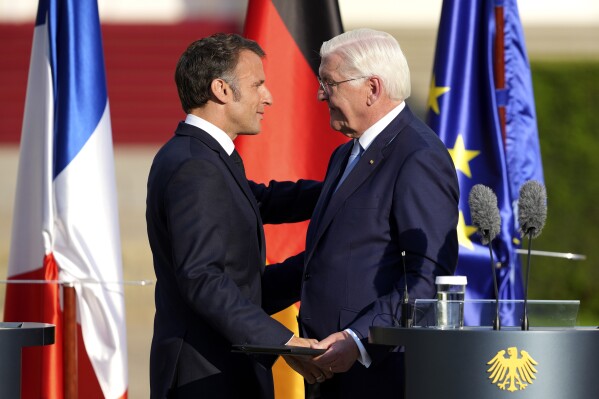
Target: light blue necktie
x=354, y=157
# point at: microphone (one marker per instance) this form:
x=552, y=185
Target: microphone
x=485, y=217
x=407, y=311
x=532, y=214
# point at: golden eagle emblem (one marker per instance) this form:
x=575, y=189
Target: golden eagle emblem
x=512, y=373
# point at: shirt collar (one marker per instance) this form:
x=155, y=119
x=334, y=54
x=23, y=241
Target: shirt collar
x=373, y=131
x=217, y=134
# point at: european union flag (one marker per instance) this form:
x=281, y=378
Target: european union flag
x=486, y=117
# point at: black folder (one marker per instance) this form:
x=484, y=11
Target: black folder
x=277, y=350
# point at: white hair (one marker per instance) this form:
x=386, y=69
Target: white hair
x=367, y=52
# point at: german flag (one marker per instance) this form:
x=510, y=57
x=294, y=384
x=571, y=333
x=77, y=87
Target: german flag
x=296, y=140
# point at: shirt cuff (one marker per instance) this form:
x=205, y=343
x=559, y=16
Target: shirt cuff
x=289, y=340
x=364, y=357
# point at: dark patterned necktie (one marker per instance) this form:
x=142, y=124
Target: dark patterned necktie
x=238, y=161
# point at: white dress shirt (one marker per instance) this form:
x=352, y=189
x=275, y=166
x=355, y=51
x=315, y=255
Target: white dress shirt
x=217, y=134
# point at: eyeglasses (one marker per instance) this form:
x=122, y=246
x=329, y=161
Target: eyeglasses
x=326, y=86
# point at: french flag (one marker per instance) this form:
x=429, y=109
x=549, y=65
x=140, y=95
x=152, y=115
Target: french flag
x=65, y=223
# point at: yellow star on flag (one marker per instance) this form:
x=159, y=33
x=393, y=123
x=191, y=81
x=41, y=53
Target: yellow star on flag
x=464, y=233
x=434, y=93
x=461, y=156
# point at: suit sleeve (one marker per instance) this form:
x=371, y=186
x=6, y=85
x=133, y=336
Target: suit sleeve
x=199, y=204
x=282, y=284
x=424, y=213
x=286, y=202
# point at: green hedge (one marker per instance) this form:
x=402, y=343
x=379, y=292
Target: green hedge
x=566, y=96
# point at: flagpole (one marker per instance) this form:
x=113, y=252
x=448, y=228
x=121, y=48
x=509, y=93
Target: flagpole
x=499, y=63
x=563, y=255
x=70, y=376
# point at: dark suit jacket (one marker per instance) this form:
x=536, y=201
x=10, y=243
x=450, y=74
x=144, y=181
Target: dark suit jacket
x=205, y=230
x=401, y=196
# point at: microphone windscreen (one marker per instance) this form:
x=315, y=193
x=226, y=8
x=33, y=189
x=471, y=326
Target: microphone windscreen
x=532, y=208
x=484, y=212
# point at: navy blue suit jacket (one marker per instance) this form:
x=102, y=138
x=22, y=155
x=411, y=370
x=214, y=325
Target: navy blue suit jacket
x=401, y=196
x=204, y=222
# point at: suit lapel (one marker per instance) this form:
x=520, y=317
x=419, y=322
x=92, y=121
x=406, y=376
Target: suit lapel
x=185, y=129
x=338, y=163
x=241, y=180
x=328, y=206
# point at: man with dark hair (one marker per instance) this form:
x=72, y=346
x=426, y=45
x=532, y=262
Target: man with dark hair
x=214, y=56
x=204, y=221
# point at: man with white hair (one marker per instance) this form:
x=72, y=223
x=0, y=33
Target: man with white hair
x=390, y=196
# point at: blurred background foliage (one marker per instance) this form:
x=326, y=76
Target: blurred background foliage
x=568, y=121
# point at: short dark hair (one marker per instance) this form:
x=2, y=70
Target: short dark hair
x=207, y=59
